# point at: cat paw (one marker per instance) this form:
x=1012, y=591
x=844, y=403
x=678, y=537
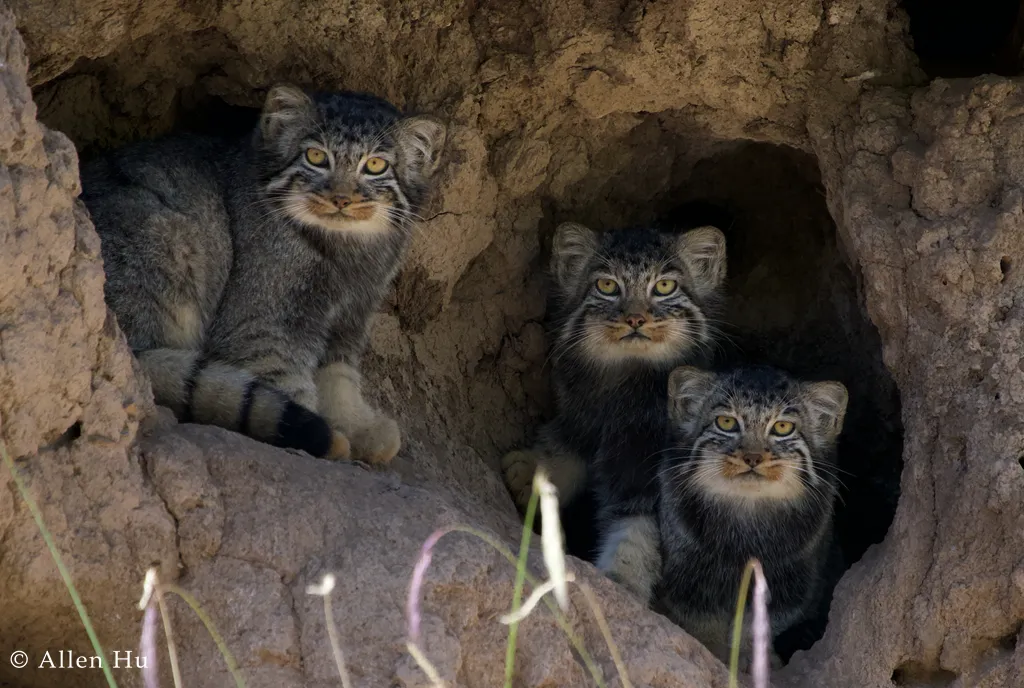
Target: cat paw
x=517, y=469
x=378, y=443
x=341, y=448
x=638, y=585
x=631, y=556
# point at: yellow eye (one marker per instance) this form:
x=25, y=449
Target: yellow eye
x=664, y=287
x=725, y=423
x=607, y=287
x=317, y=157
x=782, y=428
x=376, y=166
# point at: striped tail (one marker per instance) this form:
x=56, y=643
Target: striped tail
x=215, y=393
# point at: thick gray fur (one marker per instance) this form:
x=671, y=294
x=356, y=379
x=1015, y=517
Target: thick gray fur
x=232, y=267
x=711, y=525
x=609, y=394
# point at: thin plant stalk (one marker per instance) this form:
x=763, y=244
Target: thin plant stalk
x=324, y=590
x=762, y=628
x=560, y=618
x=552, y=545
x=150, y=591
x=517, y=592
x=424, y=561
x=602, y=624
x=412, y=608
x=147, y=649
x=172, y=648
x=332, y=633
x=210, y=628
x=37, y=516
x=536, y=596
x=737, y=626
x=428, y=668
x=419, y=573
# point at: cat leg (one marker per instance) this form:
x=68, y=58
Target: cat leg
x=713, y=632
x=273, y=358
x=517, y=469
x=375, y=438
x=630, y=554
x=565, y=470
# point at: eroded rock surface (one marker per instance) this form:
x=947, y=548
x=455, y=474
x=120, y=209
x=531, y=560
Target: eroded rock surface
x=275, y=523
x=927, y=192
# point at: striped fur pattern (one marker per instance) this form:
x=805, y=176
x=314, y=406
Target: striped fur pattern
x=629, y=306
x=240, y=269
x=751, y=473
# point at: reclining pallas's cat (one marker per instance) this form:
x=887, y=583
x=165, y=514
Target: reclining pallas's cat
x=245, y=272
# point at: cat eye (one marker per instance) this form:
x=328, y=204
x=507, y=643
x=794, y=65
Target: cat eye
x=783, y=428
x=607, y=287
x=726, y=423
x=375, y=166
x=317, y=157
x=664, y=287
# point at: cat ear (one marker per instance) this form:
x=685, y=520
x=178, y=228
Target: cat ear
x=571, y=249
x=826, y=405
x=421, y=140
x=703, y=251
x=687, y=389
x=284, y=105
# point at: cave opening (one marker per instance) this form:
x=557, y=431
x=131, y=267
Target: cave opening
x=915, y=675
x=75, y=105
x=960, y=38
x=793, y=300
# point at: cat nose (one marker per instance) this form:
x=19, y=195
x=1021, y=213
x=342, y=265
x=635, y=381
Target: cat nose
x=753, y=460
x=343, y=200
x=635, y=321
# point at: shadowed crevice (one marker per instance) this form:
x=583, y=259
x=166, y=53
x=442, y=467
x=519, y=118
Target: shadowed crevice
x=965, y=38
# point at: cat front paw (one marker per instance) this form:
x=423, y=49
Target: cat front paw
x=378, y=442
x=341, y=448
x=631, y=556
x=517, y=469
